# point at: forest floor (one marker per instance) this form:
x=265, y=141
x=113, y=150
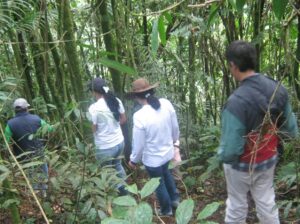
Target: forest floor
x=213, y=190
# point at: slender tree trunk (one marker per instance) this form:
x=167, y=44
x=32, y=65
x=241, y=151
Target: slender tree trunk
x=257, y=28
x=296, y=79
x=109, y=44
x=25, y=65
x=192, y=78
x=48, y=46
x=39, y=64
x=70, y=47
x=145, y=25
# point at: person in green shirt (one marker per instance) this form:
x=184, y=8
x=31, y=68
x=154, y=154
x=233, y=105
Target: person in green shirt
x=20, y=132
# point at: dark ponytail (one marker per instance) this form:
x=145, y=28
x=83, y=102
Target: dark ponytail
x=98, y=85
x=113, y=104
x=151, y=99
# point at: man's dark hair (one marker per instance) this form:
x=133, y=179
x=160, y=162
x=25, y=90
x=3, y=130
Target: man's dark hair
x=20, y=109
x=242, y=54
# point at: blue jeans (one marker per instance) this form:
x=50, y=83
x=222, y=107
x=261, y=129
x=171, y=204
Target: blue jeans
x=111, y=157
x=166, y=192
x=38, y=176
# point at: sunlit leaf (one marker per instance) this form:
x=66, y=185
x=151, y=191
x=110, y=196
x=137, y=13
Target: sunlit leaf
x=132, y=189
x=208, y=210
x=125, y=201
x=114, y=221
x=154, y=37
x=150, y=187
x=143, y=214
x=162, y=30
x=118, y=66
x=184, y=212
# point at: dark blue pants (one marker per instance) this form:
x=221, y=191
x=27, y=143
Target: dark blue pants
x=166, y=192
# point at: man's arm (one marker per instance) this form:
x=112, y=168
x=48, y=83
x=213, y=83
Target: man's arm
x=232, y=138
x=44, y=124
x=138, y=142
x=8, y=133
x=289, y=126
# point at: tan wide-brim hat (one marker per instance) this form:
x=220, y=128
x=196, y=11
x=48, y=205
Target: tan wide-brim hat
x=142, y=85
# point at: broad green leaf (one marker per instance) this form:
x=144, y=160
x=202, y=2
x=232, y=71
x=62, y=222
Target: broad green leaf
x=4, y=169
x=279, y=7
x=125, y=201
x=87, y=206
x=287, y=209
x=168, y=17
x=121, y=212
x=132, y=189
x=208, y=210
x=36, y=163
x=184, y=212
x=118, y=66
x=154, y=37
x=162, y=30
x=212, y=14
x=51, y=105
x=9, y=202
x=48, y=208
x=77, y=113
x=3, y=176
x=114, y=221
x=143, y=214
x=150, y=187
x=240, y=5
x=208, y=222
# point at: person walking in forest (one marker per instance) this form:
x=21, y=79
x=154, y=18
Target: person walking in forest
x=21, y=131
x=155, y=130
x=107, y=114
x=256, y=113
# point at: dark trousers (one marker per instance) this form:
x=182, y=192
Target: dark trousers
x=166, y=192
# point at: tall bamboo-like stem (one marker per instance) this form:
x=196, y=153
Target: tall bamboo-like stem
x=70, y=47
x=109, y=44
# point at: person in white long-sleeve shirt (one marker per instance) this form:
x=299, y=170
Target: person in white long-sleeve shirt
x=155, y=130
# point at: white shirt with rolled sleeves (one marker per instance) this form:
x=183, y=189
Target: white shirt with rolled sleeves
x=154, y=133
x=108, y=133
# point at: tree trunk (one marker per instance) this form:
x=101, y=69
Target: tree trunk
x=257, y=28
x=70, y=47
x=296, y=63
x=109, y=44
x=25, y=66
x=191, y=78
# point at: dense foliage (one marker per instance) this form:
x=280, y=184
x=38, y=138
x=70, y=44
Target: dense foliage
x=49, y=50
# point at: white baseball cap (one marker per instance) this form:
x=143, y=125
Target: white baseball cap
x=21, y=102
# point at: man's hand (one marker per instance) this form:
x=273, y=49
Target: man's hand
x=132, y=165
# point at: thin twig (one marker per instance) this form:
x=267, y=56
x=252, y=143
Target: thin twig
x=156, y=213
x=204, y=4
x=161, y=11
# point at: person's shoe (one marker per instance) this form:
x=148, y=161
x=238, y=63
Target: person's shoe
x=122, y=191
x=170, y=213
x=175, y=204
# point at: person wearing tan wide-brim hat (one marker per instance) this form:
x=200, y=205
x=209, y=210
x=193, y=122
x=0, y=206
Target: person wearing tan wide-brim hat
x=141, y=85
x=155, y=130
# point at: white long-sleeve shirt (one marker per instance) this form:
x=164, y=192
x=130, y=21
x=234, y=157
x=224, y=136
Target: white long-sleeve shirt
x=154, y=132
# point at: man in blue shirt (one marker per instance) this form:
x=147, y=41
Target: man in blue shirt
x=20, y=131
